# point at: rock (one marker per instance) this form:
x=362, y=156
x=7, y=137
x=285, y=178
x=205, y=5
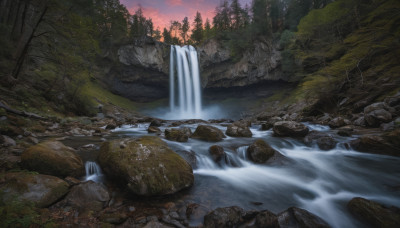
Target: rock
x=239, y=129
x=338, y=122
x=9, y=162
x=42, y=190
x=53, y=158
x=323, y=140
x=374, y=144
x=290, y=129
x=267, y=219
x=156, y=224
x=111, y=126
x=7, y=141
x=86, y=196
x=393, y=100
x=392, y=137
x=178, y=134
x=146, y=166
x=374, y=214
x=156, y=123
x=260, y=151
x=377, y=113
x=33, y=140
x=266, y=126
x=296, y=217
x=223, y=217
x=208, y=133
x=388, y=126
x=189, y=156
x=359, y=121
x=72, y=181
x=115, y=218
x=217, y=153
x=154, y=129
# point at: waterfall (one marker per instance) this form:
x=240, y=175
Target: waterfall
x=185, y=92
x=93, y=171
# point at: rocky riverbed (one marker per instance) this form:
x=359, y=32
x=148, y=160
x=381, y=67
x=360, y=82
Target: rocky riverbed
x=281, y=170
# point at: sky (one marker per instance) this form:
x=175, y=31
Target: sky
x=163, y=11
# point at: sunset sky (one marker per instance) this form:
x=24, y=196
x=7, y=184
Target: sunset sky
x=163, y=11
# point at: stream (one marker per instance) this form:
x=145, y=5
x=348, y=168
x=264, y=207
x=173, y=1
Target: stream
x=322, y=182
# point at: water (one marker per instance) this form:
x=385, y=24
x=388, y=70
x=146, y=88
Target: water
x=321, y=182
x=93, y=172
x=185, y=92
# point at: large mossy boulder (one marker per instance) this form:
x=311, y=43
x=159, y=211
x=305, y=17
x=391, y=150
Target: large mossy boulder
x=290, y=129
x=374, y=214
x=178, y=134
x=208, y=133
x=42, y=190
x=146, y=166
x=260, y=151
x=239, y=129
x=53, y=158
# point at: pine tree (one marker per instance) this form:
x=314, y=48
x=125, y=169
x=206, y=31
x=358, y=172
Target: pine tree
x=197, y=32
x=185, y=29
x=167, y=36
x=207, y=29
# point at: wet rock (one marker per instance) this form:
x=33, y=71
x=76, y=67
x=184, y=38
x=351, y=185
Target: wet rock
x=393, y=100
x=267, y=219
x=374, y=214
x=323, y=140
x=297, y=217
x=189, y=156
x=266, y=126
x=178, y=134
x=392, y=137
x=111, y=126
x=33, y=140
x=154, y=129
x=9, y=161
x=239, y=129
x=290, y=129
x=146, y=166
x=86, y=196
x=223, y=217
x=7, y=141
x=196, y=211
x=53, y=158
x=42, y=190
x=388, y=126
x=156, y=123
x=114, y=217
x=377, y=113
x=260, y=151
x=217, y=153
x=72, y=181
x=338, y=122
x=375, y=144
x=156, y=224
x=208, y=133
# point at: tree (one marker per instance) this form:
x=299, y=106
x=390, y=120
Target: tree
x=260, y=23
x=167, y=36
x=222, y=20
x=185, y=29
x=197, y=32
x=207, y=29
x=236, y=14
x=157, y=34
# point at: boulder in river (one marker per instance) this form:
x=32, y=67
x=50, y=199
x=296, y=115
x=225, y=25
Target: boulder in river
x=374, y=214
x=290, y=129
x=323, y=140
x=223, y=217
x=217, y=153
x=376, y=145
x=239, y=129
x=260, y=151
x=154, y=129
x=338, y=122
x=208, y=133
x=146, y=166
x=86, y=196
x=42, y=190
x=53, y=158
x=297, y=217
x=178, y=134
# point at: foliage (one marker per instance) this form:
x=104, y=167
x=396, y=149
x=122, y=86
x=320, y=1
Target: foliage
x=17, y=213
x=197, y=31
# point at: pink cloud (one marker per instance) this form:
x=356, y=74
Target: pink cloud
x=174, y=2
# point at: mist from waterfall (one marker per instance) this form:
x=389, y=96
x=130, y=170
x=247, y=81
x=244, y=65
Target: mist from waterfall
x=185, y=87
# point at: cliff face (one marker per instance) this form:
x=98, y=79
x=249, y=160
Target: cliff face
x=259, y=64
x=142, y=72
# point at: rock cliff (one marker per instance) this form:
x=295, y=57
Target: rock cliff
x=142, y=71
